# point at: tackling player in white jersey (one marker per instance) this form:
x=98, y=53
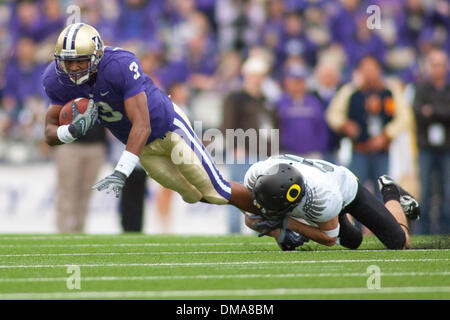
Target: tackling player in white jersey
x=301, y=199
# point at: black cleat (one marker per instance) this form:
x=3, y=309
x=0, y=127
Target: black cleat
x=409, y=205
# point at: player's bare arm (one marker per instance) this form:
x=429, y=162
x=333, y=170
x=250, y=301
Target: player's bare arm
x=51, y=125
x=137, y=111
x=317, y=234
x=57, y=133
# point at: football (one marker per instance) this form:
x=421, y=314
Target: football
x=65, y=115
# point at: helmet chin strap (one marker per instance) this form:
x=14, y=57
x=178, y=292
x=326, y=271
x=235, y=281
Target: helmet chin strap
x=80, y=80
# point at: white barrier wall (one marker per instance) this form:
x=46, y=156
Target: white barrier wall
x=27, y=204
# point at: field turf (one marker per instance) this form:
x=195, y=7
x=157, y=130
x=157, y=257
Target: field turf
x=172, y=267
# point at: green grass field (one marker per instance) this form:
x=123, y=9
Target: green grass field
x=215, y=267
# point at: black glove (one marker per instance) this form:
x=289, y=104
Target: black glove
x=265, y=225
x=288, y=240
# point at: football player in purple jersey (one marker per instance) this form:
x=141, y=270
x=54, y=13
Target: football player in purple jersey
x=126, y=101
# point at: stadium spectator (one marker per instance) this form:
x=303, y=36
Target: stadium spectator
x=228, y=75
x=371, y=112
x=342, y=24
x=200, y=55
x=137, y=20
x=21, y=75
x=246, y=109
x=294, y=41
x=301, y=115
x=411, y=21
x=52, y=20
x=239, y=23
x=327, y=80
x=432, y=113
x=78, y=165
x=25, y=20
x=364, y=43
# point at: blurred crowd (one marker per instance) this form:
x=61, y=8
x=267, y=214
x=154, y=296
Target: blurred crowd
x=303, y=66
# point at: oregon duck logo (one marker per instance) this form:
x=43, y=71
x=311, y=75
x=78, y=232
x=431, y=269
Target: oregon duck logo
x=293, y=193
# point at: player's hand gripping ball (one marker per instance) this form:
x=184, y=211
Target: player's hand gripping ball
x=81, y=114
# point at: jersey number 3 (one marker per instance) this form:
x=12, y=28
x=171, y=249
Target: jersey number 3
x=135, y=68
x=107, y=113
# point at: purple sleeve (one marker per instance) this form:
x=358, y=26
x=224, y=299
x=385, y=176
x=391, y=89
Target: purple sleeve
x=128, y=76
x=50, y=83
x=52, y=95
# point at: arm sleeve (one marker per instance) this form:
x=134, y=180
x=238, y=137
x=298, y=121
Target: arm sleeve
x=52, y=94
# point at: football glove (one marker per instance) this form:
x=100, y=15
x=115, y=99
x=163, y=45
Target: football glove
x=83, y=122
x=288, y=240
x=114, y=182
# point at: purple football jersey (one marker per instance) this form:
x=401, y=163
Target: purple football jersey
x=119, y=77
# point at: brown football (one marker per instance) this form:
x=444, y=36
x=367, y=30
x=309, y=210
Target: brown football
x=65, y=115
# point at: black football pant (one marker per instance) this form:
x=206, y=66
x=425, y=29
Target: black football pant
x=371, y=212
x=132, y=201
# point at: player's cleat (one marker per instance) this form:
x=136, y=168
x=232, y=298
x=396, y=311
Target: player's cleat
x=409, y=205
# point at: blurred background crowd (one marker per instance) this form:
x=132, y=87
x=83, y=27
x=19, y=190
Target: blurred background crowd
x=329, y=74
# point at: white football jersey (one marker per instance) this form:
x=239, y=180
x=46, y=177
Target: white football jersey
x=329, y=188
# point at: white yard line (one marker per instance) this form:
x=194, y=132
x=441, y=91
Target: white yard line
x=135, y=253
x=99, y=245
x=200, y=264
x=229, y=276
x=184, y=244
x=220, y=293
x=19, y=255
x=105, y=236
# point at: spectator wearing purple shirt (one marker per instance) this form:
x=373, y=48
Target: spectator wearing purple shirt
x=272, y=31
x=52, y=19
x=303, y=130
x=410, y=22
x=22, y=76
x=295, y=42
x=343, y=24
x=25, y=20
x=137, y=20
x=366, y=43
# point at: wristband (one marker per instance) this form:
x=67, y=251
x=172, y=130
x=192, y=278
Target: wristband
x=333, y=233
x=127, y=162
x=64, y=134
